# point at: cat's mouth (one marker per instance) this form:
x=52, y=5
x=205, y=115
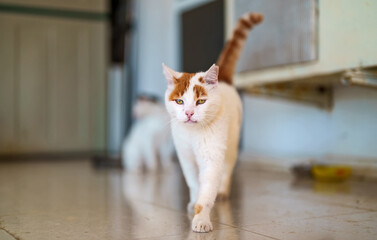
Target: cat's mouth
x=191, y=121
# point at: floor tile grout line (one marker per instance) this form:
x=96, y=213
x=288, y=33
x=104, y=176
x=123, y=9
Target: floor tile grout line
x=227, y=224
x=157, y=205
x=259, y=234
x=10, y=234
x=246, y=230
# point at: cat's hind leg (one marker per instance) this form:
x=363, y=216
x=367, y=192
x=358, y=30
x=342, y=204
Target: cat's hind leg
x=226, y=178
x=231, y=155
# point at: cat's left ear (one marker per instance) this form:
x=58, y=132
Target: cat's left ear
x=211, y=76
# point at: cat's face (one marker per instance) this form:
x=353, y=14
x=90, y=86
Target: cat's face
x=143, y=107
x=191, y=98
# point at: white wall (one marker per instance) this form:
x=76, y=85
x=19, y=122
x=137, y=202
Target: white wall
x=158, y=36
x=156, y=44
x=281, y=128
x=354, y=122
x=273, y=127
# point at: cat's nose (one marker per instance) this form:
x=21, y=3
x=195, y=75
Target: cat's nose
x=189, y=113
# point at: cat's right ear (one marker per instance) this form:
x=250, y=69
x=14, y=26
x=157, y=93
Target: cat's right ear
x=170, y=74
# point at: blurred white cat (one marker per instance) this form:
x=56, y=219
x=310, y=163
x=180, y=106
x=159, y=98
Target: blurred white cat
x=149, y=139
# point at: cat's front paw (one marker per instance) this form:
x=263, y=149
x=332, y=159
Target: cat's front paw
x=201, y=224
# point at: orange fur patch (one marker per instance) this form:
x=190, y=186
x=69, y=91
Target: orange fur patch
x=198, y=208
x=256, y=17
x=201, y=80
x=229, y=56
x=239, y=33
x=200, y=91
x=246, y=23
x=181, y=84
x=226, y=60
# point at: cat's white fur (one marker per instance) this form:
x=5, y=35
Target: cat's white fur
x=149, y=138
x=207, y=150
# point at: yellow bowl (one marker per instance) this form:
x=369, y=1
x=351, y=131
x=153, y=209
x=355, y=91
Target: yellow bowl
x=331, y=173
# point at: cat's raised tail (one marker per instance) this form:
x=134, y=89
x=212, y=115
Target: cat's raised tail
x=229, y=56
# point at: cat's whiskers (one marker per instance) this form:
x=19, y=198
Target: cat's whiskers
x=168, y=123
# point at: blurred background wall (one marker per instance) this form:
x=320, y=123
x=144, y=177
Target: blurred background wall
x=280, y=127
x=55, y=96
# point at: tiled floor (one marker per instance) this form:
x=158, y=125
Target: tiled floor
x=71, y=200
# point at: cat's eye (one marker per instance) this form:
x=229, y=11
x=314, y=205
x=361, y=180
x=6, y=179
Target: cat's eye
x=200, y=101
x=179, y=101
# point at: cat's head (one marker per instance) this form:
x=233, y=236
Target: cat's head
x=192, y=98
x=145, y=105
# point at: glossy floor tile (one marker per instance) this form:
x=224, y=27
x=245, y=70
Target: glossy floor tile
x=71, y=200
x=345, y=227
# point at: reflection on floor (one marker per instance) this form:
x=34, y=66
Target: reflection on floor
x=71, y=200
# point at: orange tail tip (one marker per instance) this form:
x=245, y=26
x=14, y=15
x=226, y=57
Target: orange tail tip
x=230, y=54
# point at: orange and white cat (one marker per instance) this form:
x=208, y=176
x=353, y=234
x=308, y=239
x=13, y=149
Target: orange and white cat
x=206, y=116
